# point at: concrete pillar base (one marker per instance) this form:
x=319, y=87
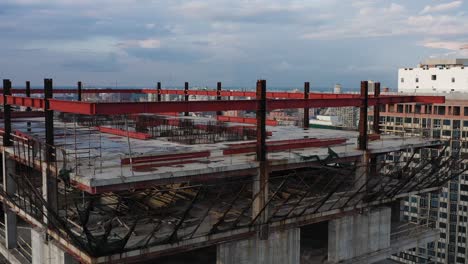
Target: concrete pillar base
x=9, y=186
x=358, y=235
x=282, y=247
x=47, y=252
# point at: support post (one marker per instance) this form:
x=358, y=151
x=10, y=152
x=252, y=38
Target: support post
x=28, y=109
x=362, y=140
x=260, y=184
x=49, y=120
x=218, y=97
x=79, y=91
x=49, y=182
x=6, y=114
x=306, y=110
x=158, y=87
x=186, y=95
x=9, y=186
x=376, y=122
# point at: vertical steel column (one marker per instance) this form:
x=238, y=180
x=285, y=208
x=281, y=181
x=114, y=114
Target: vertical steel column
x=49, y=121
x=376, y=122
x=260, y=184
x=306, y=110
x=218, y=96
x=6, y=114
x=158, y=87
x=28, y=109
x=362, y=140
x=261, y=120
x=186, y=95
x=79, y=91
x=49, y=182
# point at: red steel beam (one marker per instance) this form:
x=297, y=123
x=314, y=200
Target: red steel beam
x=25, y=114
x=88, y=108
x=245, y=120
x=120, y=132
x=285, y=95
x=165, y=157
x=274, y=146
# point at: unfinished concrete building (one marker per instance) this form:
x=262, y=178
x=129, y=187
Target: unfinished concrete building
x=115, y=182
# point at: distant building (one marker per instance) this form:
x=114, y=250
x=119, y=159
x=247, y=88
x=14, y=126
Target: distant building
x=435, y=76
x=448, y=122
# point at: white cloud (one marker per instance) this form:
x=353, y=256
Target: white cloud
x=143, y=43
x=448, y=45
x=150, y=26
x=441, y=7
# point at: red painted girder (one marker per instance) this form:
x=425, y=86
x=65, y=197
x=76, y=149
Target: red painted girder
x=72, y=91
x=25, y=114
x=25, y=101
x=285, y=95
x=245, y=120
x=88, y=108
x=273, y=146
x=165, y=157
x=120, y=132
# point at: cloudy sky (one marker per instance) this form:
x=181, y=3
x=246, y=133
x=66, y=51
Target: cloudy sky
x=287, y=42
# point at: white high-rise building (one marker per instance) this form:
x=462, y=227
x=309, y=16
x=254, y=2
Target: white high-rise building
x=435, y=76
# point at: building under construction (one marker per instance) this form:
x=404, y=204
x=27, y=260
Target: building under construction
x=137, y=182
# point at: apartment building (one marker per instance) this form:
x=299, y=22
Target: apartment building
x=448, y=122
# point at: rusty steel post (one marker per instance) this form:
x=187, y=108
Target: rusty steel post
x=80, y=86
x=376, y=122
x=261, y=120
x=28, y=109
x=218, y=96
x=362, y=140
x=49, y=120
x=186, y=95
x=261, y=181
x=306, y=110
x=158, y=87
x=6, y=114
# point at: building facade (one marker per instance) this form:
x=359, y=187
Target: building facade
x=448, y=122
x=435, y=76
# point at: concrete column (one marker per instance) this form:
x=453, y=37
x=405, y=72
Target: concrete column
x=49, y=190
x=9, y=186
x=47, y=251
x=359, y=235
x=362, y=173
x=38, y=243
x=282, y=247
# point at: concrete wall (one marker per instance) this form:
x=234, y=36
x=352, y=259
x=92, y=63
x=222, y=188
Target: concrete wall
x=47, y=252
x=280, y=248
x=357, y=235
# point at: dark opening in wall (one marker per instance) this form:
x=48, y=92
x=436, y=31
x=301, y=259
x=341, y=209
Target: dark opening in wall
x=314, y=243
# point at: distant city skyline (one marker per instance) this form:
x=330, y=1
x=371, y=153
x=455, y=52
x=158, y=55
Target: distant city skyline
x=137, y=43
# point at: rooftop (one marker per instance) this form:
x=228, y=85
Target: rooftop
x=448, y=61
